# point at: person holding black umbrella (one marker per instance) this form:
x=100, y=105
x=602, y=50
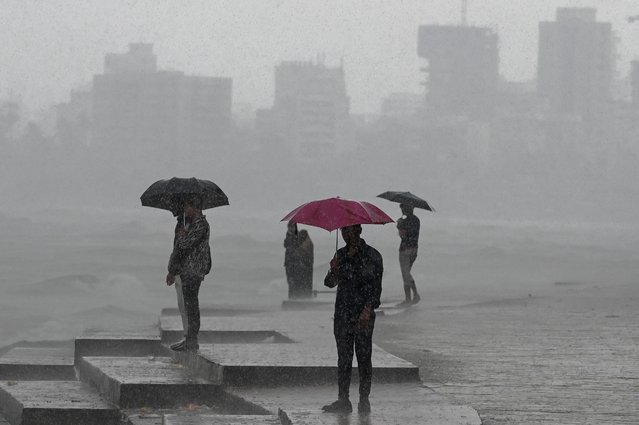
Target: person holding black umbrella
x=191, y=261
x=408, y=228
x=191, y=256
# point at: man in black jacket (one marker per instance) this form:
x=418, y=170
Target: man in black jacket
x=357, y=271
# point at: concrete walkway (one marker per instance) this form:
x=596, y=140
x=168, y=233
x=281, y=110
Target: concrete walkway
x=265, y=368
x=405, y=403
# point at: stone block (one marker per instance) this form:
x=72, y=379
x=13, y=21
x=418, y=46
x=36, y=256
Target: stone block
x=123, y=344
x=30, y=363
x=221, y=420
x=225, y=330
x=285, y=364
x=54, y=403
x=133, y=382
x=217, y=311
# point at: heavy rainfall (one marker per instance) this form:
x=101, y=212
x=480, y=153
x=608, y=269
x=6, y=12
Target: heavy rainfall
x=319, y=212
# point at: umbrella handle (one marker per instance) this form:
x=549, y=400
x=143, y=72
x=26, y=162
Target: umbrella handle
x=336, y=232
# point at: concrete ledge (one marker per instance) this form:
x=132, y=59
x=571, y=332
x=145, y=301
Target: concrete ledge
x=204, y=419
x=221, y=420
x=224, y=330
x=229, y=337
x=131, y=382
x=199, y=366
x=285, y=364
x=110, y=345
x=146, y=419
x=218, y=311
x=40, y=364
x=55, y=403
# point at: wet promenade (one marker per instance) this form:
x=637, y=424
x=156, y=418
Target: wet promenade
x=569, y=354
x=252, y=368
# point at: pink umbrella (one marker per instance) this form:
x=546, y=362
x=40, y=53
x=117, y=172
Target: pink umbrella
x=334, y=213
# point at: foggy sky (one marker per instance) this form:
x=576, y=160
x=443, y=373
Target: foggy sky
x=50, y=48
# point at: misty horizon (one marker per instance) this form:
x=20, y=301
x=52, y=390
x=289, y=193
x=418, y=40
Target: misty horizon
x=479, y=147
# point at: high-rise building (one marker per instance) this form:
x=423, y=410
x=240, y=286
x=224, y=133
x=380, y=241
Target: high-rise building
x=136, y=106
x=311, y=107
x=634, y=80
x=576, y=61
x=140, y=59
x=462, y=70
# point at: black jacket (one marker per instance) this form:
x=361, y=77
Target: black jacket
x=358, y=280
x=191, y=256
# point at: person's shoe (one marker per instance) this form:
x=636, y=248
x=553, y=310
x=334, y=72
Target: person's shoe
x=416, y=299
x=177, y=345
x=364, y=406
x=342, y=405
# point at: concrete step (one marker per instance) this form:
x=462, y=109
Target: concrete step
x=153, y=419
x=225, y=330
x=218, y=311
x=132, y=382
x=226, y=405
x=120, y=344
x=55, y=403
x=196, y=419
x=285, y=364
x=41, y=364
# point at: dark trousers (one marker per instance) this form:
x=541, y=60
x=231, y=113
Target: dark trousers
x=190, y=292
x=347, y=337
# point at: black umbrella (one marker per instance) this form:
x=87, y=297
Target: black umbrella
x=406, y=198
x=168, y=194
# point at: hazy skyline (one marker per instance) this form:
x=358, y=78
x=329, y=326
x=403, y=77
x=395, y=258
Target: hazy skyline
x=51, y=48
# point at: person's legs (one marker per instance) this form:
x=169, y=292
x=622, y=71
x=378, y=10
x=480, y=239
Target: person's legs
x=404, y=266
x=364, y=351
x=190, y=291
x=412, y=258
x=344, y=338
x=182, y=310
